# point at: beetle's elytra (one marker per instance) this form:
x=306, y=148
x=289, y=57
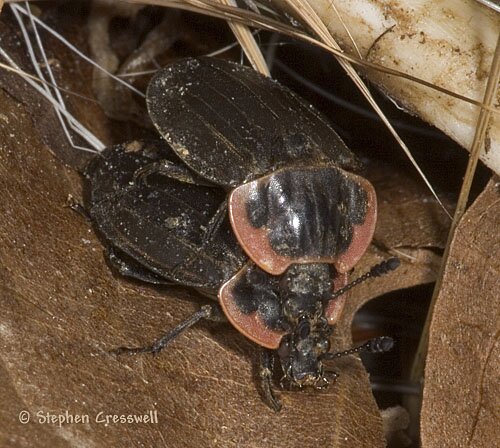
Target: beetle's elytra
x=251, y=197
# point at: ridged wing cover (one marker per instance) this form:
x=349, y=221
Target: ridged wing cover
x=231, y=124
x=158, y=221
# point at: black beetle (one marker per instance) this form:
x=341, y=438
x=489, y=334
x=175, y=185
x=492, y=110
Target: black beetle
x=246, y=170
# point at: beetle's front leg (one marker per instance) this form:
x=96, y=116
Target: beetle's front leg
x=329, y=377
x=210, y=311
x=266, y=376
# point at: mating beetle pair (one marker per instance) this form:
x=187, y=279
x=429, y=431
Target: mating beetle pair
x=250, y=198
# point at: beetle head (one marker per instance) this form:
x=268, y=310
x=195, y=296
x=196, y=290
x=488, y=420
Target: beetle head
x=301, y=351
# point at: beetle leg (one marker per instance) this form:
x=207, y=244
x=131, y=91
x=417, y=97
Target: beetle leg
x=205, y=312
x=330, y=377
x=266, y=374
x=169, y=169
x=131, y=269
x=215, y=222
x=212, y=227
x=77, y=207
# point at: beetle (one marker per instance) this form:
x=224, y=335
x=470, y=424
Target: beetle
x=249, y=197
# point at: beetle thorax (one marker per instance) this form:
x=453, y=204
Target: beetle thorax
x=304, y=288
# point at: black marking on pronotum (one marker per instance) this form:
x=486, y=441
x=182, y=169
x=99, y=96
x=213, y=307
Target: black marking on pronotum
x=321, y=196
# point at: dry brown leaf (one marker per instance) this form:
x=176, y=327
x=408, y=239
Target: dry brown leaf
x=396, y=420
x=461, y=401
x=62, y=310
x=410, y=225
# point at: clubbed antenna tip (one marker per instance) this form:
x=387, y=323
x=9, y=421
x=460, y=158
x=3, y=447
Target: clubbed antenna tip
x=386, y=266
x=381, y=344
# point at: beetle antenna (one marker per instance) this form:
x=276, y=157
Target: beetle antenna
x=381, y=344
x=376, y=271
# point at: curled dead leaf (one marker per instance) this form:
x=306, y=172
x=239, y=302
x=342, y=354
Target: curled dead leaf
x=62, y=310
x=461, y=401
